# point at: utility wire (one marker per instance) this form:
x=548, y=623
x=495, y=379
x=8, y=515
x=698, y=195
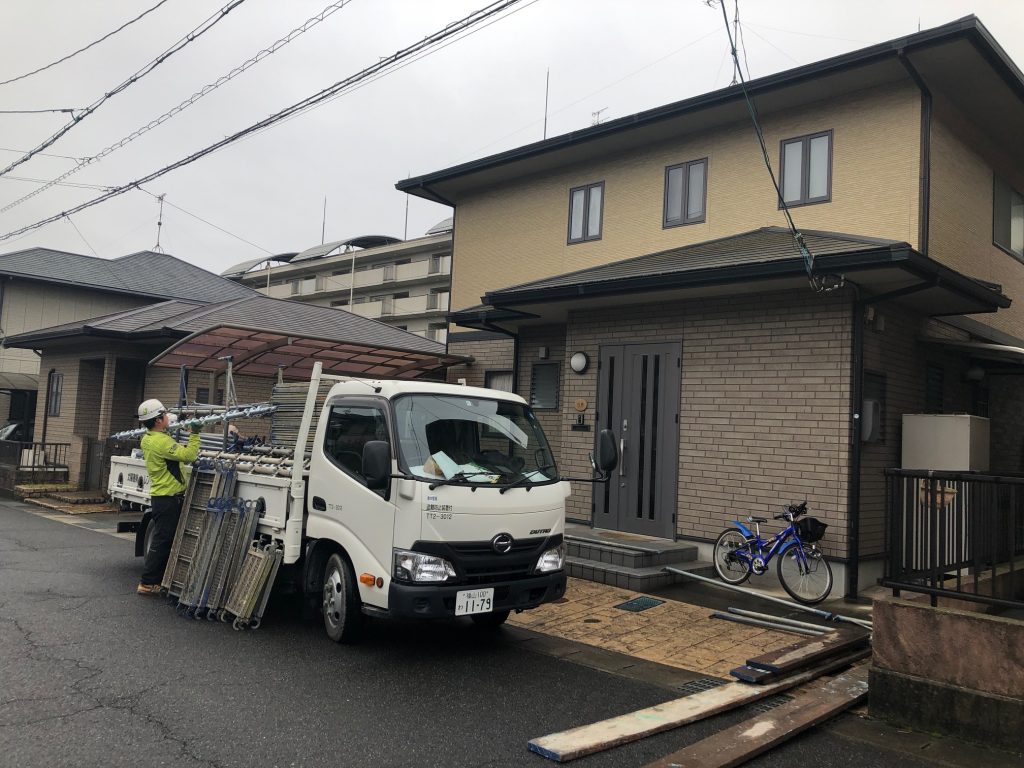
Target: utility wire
x=83, y=162
x=76, y=185
x=195, y=33
x=798, y=237
x=88, y=245
x=386, y=63
x=41, y=154
x=66, y=110
x=80, y=50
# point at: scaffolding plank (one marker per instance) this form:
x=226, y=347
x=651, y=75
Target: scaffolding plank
x=736, y=745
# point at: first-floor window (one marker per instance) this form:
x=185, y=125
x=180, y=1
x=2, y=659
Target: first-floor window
x=498, y=380
x=586, y=205
x=544, y=386
x=55, y=390
x=1008, y=218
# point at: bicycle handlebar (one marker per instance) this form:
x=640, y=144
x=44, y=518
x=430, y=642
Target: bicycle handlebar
x=792, y=512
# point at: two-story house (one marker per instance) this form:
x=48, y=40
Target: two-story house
x=402, y=283
x=646, y=275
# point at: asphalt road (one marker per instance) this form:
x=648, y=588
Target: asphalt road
x=93, y=675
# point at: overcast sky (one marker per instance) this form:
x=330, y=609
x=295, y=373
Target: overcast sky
x=478, y=96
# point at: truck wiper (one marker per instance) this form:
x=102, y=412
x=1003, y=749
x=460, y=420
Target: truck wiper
x=523, y=480
x=457, y=479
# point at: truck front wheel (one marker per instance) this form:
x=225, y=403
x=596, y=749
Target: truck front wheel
x=341, y=612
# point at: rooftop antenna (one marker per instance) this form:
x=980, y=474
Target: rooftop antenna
x=323, y=226
x=159, y=224
x=597, y=116
x=547, y=86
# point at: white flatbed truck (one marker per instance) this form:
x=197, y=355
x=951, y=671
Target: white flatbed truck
x=417, y=500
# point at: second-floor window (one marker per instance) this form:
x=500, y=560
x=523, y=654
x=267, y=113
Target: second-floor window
x=807, y=169
x=1008, y=218
x=586, y=205
x=685, y=193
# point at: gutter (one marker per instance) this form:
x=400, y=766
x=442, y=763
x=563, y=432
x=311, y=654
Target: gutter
x=853, y=466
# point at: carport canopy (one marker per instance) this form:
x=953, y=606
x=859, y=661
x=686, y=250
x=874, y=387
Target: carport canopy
x=257, y=352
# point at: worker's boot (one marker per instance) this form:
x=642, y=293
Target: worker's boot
x=148, y=589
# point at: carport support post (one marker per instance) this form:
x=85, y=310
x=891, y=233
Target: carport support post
x=853, y=482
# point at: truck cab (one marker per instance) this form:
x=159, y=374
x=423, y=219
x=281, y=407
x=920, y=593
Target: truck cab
x=429, y=500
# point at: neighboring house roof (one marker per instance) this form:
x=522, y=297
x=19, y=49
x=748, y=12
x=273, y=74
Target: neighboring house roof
x=261, y=334
x=769, y=253
x=146, y=274
x=961, y=60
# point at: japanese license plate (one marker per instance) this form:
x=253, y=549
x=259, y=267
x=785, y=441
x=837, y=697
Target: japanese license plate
x=469, y=601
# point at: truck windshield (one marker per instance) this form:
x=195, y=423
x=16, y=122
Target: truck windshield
x=472, y=440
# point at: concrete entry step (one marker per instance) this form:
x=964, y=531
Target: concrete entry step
x=627, y=560
x=626, y=549
x=635, y=579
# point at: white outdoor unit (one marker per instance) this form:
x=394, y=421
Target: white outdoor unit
x=953, y=442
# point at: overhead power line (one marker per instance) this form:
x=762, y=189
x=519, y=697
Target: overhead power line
x=207, y=223
x=66, y=110
x=132, y=79
x=80, y=50
x=393, y=61
x=83, y=162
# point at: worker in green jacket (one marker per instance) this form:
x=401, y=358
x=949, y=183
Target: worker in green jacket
x=167, y=482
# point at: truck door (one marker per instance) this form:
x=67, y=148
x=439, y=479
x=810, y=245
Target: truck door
x=341, y=507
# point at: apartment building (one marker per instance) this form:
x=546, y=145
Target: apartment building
x=403, y=283
x=659, y=291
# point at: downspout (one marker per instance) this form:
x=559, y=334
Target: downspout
x=853, y=477
x=925, y=177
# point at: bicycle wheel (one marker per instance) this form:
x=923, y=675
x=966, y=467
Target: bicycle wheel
x=805, y=574
x=731, y=569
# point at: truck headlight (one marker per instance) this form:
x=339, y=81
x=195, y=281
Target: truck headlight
x=417, y=567
x=552, y=560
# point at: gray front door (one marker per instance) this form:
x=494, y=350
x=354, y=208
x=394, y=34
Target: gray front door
x=638, y=399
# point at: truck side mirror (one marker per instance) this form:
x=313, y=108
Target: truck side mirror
x=607, y=452
x=377, y=464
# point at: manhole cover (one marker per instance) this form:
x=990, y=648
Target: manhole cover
x=638, y=604
x=700, y=684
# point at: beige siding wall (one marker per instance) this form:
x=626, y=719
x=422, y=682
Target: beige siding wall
x=963, y=163
x=514, y=233
x=29, y=306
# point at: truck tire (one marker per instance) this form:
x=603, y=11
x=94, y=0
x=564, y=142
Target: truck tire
x=491, y=620
x=147, y=539
x=340, y=606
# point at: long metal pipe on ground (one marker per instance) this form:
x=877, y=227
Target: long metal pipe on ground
x=780, y=620
x=778, y=627
x=816, y=611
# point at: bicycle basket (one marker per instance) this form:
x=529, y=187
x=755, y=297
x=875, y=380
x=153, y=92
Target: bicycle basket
x=811, y=529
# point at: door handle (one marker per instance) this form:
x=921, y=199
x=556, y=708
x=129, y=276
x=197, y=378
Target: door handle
x=319, y=504
x=622, y=455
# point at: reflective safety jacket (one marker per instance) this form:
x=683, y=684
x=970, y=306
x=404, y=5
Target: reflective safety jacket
x=164, y=457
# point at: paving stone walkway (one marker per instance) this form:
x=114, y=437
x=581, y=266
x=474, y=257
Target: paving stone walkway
x=672, y=633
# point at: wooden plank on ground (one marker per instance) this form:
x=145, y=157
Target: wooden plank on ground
x=605, y=734
x=736, y=745
x=813, y=650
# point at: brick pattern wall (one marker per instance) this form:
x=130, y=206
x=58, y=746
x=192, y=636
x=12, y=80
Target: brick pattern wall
x=516, y=231
x=487, y=354
x=763, y=404
x=531, y=340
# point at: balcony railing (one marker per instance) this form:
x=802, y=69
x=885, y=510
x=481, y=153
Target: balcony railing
x=956, y=535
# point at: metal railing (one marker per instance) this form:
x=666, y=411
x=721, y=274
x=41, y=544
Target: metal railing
x=955, y=534
x=34, y=457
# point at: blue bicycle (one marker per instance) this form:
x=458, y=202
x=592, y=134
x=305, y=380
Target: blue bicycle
x=803, y=570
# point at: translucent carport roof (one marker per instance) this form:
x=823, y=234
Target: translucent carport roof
x=258, y=352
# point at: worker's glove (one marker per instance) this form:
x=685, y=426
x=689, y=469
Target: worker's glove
x=196, y=426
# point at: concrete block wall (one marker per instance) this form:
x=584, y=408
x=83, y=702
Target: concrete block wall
x=493, y=352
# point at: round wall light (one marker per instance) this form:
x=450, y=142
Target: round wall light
x=579, y=362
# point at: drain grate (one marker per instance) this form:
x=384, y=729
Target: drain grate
x=767, y=705
x=699, y=685
x=638, y=604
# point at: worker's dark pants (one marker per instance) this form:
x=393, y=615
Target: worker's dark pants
x=166, y=511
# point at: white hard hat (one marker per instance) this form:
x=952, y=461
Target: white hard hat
x=150, y=410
